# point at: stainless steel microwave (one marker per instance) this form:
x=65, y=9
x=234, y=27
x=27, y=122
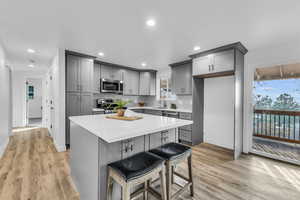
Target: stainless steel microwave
x=111, y=86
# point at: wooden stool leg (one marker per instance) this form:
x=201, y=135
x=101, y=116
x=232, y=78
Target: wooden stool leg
x=163, y=190
x=169, y=180
x=191, y=175
x=172, y=174
x=146, y=190
x=125, y=192
x=109, y=187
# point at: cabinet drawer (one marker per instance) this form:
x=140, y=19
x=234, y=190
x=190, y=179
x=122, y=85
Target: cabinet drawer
x=171, y=114
x=187, y=127
x=185, y=135
x=154, y=112
x=187, y=116
x=138, y=110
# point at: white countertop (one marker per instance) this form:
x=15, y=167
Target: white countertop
x=164, y=109
x=112, y=130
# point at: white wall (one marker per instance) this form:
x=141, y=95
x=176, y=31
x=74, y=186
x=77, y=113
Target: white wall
x=35, y=104
x=5, y=102
x=276, y=55
x=19, y=94
x=57, y=94
x=218, y=123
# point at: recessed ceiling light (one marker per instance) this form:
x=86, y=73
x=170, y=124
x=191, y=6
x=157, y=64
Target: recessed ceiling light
x=101, y=54
x=30, y=50
x=196, y=48
x=144, y=64
x=31, y=65
x=151, y=22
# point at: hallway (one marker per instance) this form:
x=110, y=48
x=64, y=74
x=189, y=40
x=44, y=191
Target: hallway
x=32, y=169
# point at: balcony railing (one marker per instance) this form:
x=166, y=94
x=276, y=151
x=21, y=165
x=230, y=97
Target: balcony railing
x=277, y=125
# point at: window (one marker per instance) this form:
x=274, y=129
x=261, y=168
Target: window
x=30, y=92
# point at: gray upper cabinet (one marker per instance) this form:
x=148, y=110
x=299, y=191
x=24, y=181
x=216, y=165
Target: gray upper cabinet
x=79, y=74
x=182, y=79
x=112, y=73
x=214, y=63
x=97, y=77
x=131, y=80
x=223, y=61
x=86, y=75
x=147, y=83
x=73, y=68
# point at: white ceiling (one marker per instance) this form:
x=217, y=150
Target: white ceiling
x=117, y=28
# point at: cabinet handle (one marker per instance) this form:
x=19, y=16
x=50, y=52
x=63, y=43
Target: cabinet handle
x=209, y=68
x=212, y=67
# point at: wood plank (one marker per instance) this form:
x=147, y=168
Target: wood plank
x=32, y=169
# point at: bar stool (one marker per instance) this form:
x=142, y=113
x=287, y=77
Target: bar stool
x=175, y=153
x=136, y=170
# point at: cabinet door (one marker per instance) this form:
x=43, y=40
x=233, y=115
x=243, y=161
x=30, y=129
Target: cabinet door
x=106, y=72
x=73, y=104
x=131, y=82
x=182, y=79
x=201, y=65
x=152, y=83
x=86, y=75
x=155, y=140
x=72, y=73
x=223, y=61
x=144, y=88
x=86, y=104
x=112, y=73
x=97, y=78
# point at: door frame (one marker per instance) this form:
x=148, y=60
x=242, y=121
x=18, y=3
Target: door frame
x=248, y=109
x=26, y=120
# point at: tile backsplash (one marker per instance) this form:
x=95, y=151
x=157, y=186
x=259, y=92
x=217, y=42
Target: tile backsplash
x=182, y=102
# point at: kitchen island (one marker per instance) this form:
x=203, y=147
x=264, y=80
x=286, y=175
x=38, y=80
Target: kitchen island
x=96, y=141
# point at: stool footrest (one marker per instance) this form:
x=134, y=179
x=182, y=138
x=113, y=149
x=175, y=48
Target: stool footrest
x=179, y=192
x=182, y=176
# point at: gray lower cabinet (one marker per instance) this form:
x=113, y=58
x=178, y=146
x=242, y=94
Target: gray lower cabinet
x=147, y=84
x=131, y=80
x=185, y=133
x=153, y=112
x=77, y=104
x=182, y=78
x=98, y=112
x=79, y=74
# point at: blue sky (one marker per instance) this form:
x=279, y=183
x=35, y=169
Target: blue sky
x=274, y=88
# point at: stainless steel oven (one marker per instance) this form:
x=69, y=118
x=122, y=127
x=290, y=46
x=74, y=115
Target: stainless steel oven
x=111, y=86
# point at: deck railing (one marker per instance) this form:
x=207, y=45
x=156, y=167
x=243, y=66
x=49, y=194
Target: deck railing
x=277, y=125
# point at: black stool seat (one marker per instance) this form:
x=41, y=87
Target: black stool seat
x=171, y=151
x=137, y=165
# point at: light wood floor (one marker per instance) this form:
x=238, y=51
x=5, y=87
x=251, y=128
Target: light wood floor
x=31, y=169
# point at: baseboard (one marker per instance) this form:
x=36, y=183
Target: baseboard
x=59, y=148
x=3, y=147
